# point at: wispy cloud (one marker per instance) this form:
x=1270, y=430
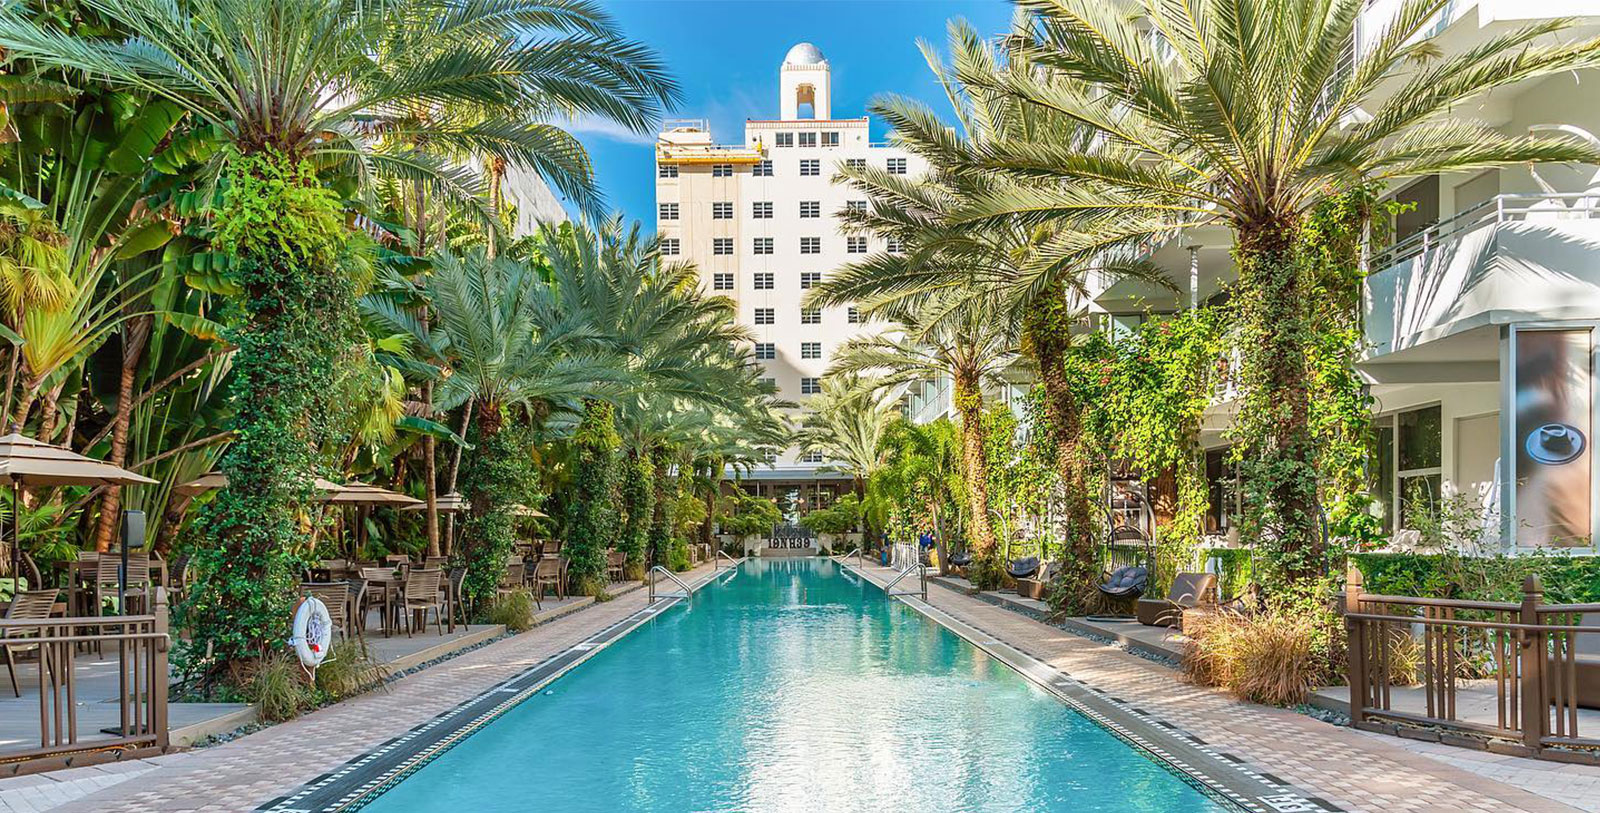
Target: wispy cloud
x=607, y=129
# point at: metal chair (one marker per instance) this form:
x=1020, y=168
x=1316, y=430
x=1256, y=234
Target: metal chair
x=29, y=605
x=546, y=572
x=419, y=595
x=336, y=597
x=616, y=562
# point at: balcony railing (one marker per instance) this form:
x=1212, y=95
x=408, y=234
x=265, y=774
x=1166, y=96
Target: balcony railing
x=1495, y=210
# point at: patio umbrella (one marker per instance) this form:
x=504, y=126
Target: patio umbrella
x=525, y=511
x=25, y=461
x=451, y=503
x=216, y=479
x=365, y=494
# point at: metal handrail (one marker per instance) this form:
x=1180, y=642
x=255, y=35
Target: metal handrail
x=716, y=561
x=650, y=579
x=1498, y=209
x=922, y=573
x=858, y=553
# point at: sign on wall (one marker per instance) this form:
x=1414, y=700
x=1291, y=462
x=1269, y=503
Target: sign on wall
x=1554, y=437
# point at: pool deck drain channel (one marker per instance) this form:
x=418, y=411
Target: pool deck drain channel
x=364, y=778
x=1220, y=775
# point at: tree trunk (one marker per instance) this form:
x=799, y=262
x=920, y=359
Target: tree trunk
x=1049, y=337
x=1282, y=466
x=455, y=471
x=975, y=462
x=134, y=339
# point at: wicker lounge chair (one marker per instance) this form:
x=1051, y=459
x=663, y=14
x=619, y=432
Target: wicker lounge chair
x=1188, y=590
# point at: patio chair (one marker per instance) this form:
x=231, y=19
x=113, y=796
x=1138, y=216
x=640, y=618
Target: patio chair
x=616, y=562
x=419, y=595
x=452, y=586
x=436, y=562
x=29, y=605
x=1034, y=586
x=336, y=597
x=551, y=547
x=382, y=576
x=1189, y=590
x=546, y=573
x=512, y=580
x=959, y=562
x=1024, y=568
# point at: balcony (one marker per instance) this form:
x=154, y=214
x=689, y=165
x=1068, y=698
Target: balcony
x=1512, y=258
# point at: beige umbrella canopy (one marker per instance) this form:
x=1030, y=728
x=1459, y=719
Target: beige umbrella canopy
x=365, y=494
x=216, y=479
x=447, y=504
x=25, y=461
x=525, y=511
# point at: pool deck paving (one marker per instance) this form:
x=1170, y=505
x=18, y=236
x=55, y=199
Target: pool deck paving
x=248, y=772
x=1349, y=769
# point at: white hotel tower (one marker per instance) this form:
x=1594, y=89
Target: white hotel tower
x=759, y=221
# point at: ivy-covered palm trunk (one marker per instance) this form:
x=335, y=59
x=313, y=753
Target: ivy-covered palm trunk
x=975, y=462
x=1049, y=339
x=1279, y=465
x=292, y=323
x=495, y=478
x=659, y=536
x=639, y=503
x=592, y=518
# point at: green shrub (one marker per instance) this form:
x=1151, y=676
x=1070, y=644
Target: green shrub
x=840, y=518
x=747, y=515
x=513, y=610
x=278, y=688
x=678, y=555
x=1234, y=570
x=1567, y=579
x=349, y=669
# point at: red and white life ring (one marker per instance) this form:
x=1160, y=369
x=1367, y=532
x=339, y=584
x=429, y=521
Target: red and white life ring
x=313, y=631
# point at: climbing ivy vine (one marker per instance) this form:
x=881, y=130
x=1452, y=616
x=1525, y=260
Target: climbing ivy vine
x=593, y=519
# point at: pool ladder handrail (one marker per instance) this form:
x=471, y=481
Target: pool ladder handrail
x=858, y=553
x=650, y=579
x=922, y=575
x=716, y=561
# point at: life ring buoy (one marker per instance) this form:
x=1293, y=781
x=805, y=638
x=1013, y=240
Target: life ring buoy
x=313, y=631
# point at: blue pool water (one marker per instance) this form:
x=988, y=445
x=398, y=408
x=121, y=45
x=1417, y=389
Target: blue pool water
x=791, y=686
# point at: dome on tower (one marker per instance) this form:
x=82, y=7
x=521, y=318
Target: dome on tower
x=805, y=54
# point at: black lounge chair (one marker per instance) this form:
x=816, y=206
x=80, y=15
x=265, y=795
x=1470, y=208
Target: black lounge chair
x=962, y=559
x=1023, y=568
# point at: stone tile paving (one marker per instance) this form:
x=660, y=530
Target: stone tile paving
x=1357, y=771
x=245, y=773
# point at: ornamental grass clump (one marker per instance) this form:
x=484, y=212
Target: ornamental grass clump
x=348, y=670
x=277, y=686
x=512, y=610
x=1270, y=658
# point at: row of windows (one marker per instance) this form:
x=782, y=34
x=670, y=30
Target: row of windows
x=827, y=139
x=808, y=386
x=765, y=281
x=769, y=316
x=767, y=351
x=723, y=246
x=759, y=210
x=763, y=168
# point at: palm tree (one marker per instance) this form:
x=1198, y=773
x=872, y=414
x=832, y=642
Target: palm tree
x=302, y=86
x=1036, y=278
x=847, y=422
x=949, y=336
x=1245, y=113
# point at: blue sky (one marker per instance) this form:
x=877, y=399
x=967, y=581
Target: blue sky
x=726, y=56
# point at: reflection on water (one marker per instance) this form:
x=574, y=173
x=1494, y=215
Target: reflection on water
x=791, y=688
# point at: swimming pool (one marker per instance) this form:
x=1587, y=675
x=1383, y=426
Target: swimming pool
x=791, y=685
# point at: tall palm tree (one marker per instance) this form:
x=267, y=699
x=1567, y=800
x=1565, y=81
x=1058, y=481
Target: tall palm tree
x=951, y=336
x=1037, y=278
x=847, y=422
x=308, y=86
x=1245, y=113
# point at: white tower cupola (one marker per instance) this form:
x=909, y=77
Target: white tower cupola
x=803, y=83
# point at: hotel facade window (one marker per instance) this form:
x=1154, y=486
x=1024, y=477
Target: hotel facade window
x=722, y=170
x=722, y=245
x=856, y=163
x=722, y=210
x=893, y=245
x=855, y=245
x=897, y=166
x=667, y=171
x=761, y=210
x=669, y=246
x=770, y=384
x=810, y=316
x=808, y=139
x=830, y=139
x=783, y=140
x=811, y=245
x=810, y=385
x=721, y=282
x=810, y=167
x=766, y=351
x=856, y=205
x=762, y=169
x=667, y=211
x=853, y=315
x=811, y=350
x=811, y=457
x=810, y=279
x=766, y=316
x=762, y=245
x=810, y=209
x=1409, y=469
x=764, y=281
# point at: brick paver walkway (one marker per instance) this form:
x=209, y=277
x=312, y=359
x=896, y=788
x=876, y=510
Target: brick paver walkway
x=248, y=772
x=1356, y=771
